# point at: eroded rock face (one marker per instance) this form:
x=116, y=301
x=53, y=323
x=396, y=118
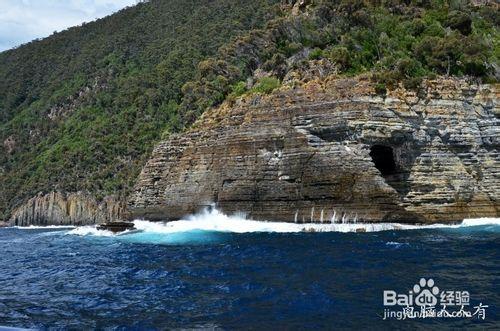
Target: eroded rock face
x=9, y=144
x=66, y=209
x=335, y=149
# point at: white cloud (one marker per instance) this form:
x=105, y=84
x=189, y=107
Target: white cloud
x=24, y=20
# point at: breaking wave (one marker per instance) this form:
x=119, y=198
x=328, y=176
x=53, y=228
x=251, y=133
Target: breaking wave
x=214, y=221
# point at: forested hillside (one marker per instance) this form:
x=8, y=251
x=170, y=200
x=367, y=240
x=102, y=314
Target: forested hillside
x=82, y=109
x=393, y=41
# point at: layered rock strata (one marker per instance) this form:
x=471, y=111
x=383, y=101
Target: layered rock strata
x=335, y=150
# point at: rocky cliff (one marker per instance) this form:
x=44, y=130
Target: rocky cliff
x=56, y=208
x=335, y=149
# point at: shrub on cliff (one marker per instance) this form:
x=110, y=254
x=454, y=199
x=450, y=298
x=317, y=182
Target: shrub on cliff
x=405, y=42
x=266, y=85
x=398, y=41
x=238, y=89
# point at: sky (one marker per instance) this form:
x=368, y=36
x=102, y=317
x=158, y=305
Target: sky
x=24, y=20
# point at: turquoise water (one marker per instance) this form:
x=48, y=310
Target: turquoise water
x=219, y=272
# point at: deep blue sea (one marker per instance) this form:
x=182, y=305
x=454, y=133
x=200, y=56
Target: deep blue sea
x=193, y=277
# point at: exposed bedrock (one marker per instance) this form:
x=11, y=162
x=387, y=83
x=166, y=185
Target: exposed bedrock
x=334, y=149
x=57, y=208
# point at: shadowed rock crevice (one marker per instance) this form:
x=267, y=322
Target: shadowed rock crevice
x=394, y=164
x=337, y=133
x=383, y=157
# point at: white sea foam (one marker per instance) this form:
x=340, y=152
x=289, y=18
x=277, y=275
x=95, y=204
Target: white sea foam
x=90, y=231
x=396, y=244
x=480, y=221
x=215, y=221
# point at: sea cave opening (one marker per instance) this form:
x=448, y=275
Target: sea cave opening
x=383, y=157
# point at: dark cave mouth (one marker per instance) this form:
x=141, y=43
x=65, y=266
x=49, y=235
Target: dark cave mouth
x=394, y=165
x=383, y=158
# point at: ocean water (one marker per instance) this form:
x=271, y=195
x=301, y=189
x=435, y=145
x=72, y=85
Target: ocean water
x=219, y=272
